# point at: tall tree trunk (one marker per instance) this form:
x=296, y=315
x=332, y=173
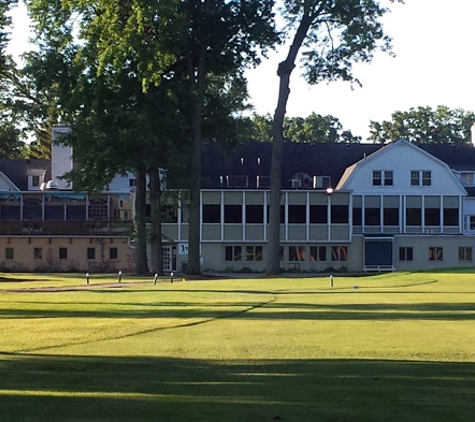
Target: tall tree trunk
x=284, y=71
x=155, y=221
x=194, y=235
x=141, y=266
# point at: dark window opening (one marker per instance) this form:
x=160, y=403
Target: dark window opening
x=297, y=214
x=339, y=214
x=211, y=213
x=318, y=214
x=432, y=216
x=372, y=216
x=451, y=217
x=233, y=213
x=413, y=217
x=254, y=214
x=391, y=216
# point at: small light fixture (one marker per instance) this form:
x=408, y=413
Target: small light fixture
x=329, y=191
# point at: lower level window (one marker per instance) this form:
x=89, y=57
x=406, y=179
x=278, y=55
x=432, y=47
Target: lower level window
x=296, y=253
x=233, y=253
x=113, y=253
x=253, y=253
x=339, y=253
x=436, y=253
x=8, y=253
x=318, y=253
x=91, y=253
x=38, y=253
x=405, y=253
x=63, y=253
x=465, y=253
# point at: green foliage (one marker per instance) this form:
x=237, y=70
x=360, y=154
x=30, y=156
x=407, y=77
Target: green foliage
x=425, y=125
x=313, y=128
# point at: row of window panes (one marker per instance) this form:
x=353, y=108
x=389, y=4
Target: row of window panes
x=413, y=216
x=33, y=210
x=436, y=253
x=62, y=253
x=296, y=253
x=297, y=214
x=418, y=178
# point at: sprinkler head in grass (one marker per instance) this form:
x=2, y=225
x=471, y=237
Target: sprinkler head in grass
x=331, y=281
x=155, y=279
x=171, y=277
x=119, y=276
x=87, y=278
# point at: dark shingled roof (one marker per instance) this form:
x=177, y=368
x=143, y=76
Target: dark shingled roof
x=17, y=170
x=254, y=159
x=316, y=159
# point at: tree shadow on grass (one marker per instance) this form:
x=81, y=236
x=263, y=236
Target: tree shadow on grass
x=76, y=388
x=244, y=310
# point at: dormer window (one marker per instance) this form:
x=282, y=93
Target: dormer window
x=467, y=179
x=36, y=179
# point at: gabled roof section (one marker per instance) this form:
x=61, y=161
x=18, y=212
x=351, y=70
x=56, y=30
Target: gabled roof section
x=6, y=184
x=403, y=156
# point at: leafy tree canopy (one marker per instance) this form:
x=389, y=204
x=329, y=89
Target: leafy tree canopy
x=313, y=128
x=425, y=125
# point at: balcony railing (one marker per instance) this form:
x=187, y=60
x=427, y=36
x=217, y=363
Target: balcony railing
x=66, y=228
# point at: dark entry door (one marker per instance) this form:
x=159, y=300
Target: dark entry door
x=378, y=254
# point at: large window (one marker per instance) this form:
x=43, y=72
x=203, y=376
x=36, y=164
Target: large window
x=32, y=210
x=451, y=217
x=372, y=216
x=391, y=216
x=432, y=216
x=339, y=214
x=413, y=217
x=254, y=214
x=211, y=213
x=318, y=214
x=98, y=209
x=297, y=214
x=233, y=214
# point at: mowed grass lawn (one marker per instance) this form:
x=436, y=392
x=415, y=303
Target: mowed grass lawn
x=391, y=347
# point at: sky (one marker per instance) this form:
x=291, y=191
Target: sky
x=434, y=65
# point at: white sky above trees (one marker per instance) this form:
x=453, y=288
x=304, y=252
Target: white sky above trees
x=434, y=65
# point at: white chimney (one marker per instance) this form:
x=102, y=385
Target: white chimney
x=61, y=156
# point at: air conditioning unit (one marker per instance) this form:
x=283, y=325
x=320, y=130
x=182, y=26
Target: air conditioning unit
x=296, y=183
